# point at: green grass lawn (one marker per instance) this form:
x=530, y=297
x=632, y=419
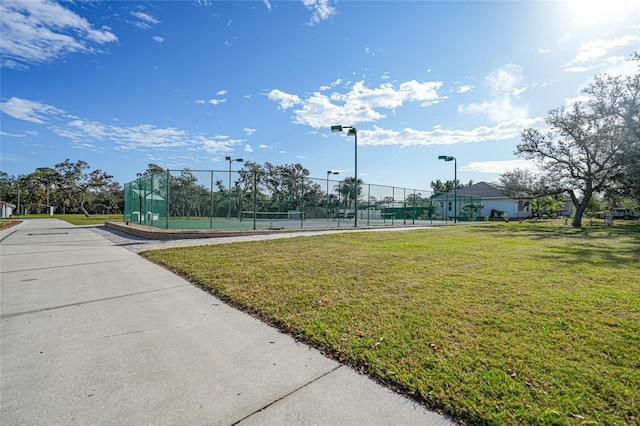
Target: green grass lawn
x=76, y=219
x=500, y=323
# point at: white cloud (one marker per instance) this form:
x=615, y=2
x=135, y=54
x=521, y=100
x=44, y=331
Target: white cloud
x=263, y=146
x=548, y=83
x=598, y=48
x=23, y=109
x=40, y=31
x=94, y=135
x=439, y=136
x=542, y=51
x=219, y=144
x=321, y=9
x=499, y=167
x=216, y=101
x=267, y=4
x=505, y=85
x=594, y=53
x=577, y=69
x=248, y=148
x=359, y=105
x=249, y=131
x=464, y=88
x=158, y=39
x=329, y=86
x=12, y=135
x=221, y=92
x=284, y=99
x=506, y=79
x=145, y=21
x=580, y=99
x=128, y=138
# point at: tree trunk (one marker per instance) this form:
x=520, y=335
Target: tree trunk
x=84, y=211
x=580, y=209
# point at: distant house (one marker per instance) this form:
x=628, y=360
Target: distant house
x=6, y=209
x=493, y=200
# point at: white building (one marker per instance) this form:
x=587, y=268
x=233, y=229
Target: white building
x=494, y=201
x=6, y=209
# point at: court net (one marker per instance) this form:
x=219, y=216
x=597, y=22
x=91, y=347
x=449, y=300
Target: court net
x=271, y=216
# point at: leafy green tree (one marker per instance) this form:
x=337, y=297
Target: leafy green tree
x=48, y=180
x=447, y=186
x=586, y=149
x=616, y=101
x=186, y=196
x=77, y=182
x=286, y=186
x=347, y=190
x=594, y=207
x=471, y=211
x=521, y=184
x=109, y=200
x=542, y=205
x=8, y=188
x=152, y=169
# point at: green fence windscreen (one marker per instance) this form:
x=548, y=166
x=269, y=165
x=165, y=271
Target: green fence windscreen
x=223, y=199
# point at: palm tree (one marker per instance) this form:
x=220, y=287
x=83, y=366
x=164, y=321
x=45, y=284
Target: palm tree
x=346, y=189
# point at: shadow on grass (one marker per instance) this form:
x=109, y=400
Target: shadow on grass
x=618, y=245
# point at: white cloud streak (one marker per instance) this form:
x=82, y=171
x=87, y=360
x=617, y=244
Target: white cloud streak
x=598, y=48
x=145, y=21
x=23, y=109
x=95, y=135
x=438, y=136
x=41, y=31
x=499, y=167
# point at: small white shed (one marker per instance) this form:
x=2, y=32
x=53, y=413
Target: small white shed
x=6, y=209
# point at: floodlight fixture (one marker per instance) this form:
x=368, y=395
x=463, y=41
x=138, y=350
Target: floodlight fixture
x=455, y=184
x=230, y=160
x=352, y=132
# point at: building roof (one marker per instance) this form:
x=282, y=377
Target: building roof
x=482, y=190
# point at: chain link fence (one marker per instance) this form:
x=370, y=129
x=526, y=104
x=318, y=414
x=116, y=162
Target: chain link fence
x=223, y=199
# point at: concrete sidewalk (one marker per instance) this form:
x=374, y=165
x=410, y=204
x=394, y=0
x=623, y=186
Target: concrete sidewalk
x=91, y=333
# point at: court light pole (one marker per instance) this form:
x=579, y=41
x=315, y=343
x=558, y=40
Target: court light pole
x=239, y=160
x=455, y=184
x=352, y=132
x=329, y=172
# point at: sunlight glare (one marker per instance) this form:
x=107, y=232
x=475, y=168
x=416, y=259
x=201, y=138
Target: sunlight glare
x=593, y=12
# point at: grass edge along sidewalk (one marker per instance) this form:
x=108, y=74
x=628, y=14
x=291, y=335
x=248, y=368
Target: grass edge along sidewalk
x=498, y=324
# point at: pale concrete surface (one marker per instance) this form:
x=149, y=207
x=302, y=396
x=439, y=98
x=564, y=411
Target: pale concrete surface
x=91, y=333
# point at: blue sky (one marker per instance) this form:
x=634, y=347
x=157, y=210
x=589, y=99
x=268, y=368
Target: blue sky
x=121, y=84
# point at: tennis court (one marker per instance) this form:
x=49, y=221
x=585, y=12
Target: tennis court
x=198, y=199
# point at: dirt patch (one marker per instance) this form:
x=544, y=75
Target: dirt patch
x=7, y=225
